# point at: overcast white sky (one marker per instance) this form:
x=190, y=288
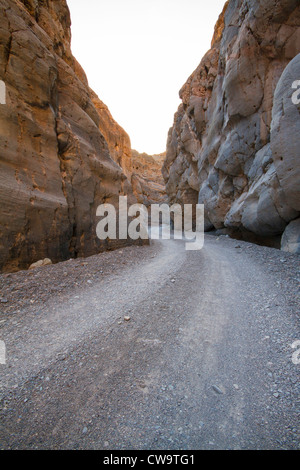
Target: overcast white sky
x=138, y=53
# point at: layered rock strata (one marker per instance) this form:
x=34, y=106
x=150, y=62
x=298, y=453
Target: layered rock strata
x=61, y=153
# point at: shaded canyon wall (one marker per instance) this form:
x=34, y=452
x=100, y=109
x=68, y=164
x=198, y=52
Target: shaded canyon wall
x=147, y=180
x=235, y=144
x=61, y=152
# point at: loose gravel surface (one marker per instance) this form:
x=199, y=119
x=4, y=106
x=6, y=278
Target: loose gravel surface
x=153, y=347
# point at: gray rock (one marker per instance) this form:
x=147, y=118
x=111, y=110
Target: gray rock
x=217, y=390
x=291, y=237
x=285, y=131
x=238, y=127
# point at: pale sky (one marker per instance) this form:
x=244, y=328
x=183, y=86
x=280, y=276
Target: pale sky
x=137, y=54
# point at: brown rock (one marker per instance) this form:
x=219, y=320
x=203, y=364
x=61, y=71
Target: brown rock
x=62, y=154
x=41, y=263
x=147, y=180
x=117, y=140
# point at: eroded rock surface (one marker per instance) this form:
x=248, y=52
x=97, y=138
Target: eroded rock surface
x=147, y=180
x=291, y=237
x=62, y=154
x=234, y=145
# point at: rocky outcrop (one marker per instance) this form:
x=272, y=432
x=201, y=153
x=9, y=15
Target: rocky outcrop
x=62, y=154
x=234, y=146
x=147, y=180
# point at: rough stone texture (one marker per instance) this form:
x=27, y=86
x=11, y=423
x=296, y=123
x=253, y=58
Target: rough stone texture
x=285, y=133
x=291, y=238
x=117, y=140
x=234, y=145
x=61, y=152
x=41, y=263
x=147, y=180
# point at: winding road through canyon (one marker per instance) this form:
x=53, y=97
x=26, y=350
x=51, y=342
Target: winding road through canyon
x=153, y=347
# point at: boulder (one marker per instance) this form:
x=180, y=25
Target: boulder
x=291, y=237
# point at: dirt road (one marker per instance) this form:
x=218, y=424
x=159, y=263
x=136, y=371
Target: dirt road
x=204, y=362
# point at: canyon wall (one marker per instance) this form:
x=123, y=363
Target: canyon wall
x=234, y=145
x=147, y=180
x=61, y=153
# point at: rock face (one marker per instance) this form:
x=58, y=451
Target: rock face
x=234, y=145
x=117, y=140
x=62, y=154
x=147, y=180
x=291, y=238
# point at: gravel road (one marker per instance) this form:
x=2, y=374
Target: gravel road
x=151, y=348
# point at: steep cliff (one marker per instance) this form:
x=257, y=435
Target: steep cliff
x=234, y=145
x=118, y=141
x=61, y=152
x=147, y=180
